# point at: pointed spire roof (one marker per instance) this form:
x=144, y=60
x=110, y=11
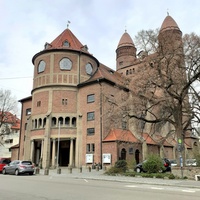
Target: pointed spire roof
x=169, y=24
x=67, y=40
x=125, y=40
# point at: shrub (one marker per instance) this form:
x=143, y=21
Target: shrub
x=121, y=164
x=171, y=176
x=153, y=164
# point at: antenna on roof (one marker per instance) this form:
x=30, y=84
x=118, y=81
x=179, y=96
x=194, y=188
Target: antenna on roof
x=125, y=29
x=167, y=12
x=68, y=22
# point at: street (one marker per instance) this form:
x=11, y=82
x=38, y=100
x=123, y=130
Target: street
x=61, y=188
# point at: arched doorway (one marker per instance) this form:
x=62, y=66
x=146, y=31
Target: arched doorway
x=137, y=156
x=123, y=154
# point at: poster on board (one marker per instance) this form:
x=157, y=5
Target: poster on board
x=107, y=158
x=89, y=158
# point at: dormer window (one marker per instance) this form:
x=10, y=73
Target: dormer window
x=66, y=43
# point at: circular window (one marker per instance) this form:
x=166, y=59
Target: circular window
x=41, y=66
x=66, y=64
x=88, y=68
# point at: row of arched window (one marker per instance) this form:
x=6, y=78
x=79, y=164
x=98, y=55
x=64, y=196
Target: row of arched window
x=55, y=121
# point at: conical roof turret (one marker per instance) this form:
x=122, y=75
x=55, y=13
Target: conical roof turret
x=125, y=40
x=169, y=24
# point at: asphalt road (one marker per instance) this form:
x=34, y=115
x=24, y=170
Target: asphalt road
x=66, y=188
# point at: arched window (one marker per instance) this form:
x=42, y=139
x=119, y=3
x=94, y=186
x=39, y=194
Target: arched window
x=35, y=123
x=44, y=122
x=60, y=119
x=74, y=121
x=67, y=121
x=40, y=123
x=126, y=72
x=137, y=156
x=53, y=122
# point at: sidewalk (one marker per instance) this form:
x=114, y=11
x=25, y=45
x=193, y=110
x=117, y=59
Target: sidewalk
x=99, y=175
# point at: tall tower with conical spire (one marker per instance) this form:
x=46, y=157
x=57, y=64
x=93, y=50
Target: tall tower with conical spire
x=125, y=52
x=170, y=36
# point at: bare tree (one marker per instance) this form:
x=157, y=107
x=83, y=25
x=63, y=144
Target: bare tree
x=165, y=90
x=8, y=109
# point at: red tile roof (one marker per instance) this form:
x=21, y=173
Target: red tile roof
x=148, y=139
x=67, y=35
x=121, y=135
x=11, y=119
x=104, y=72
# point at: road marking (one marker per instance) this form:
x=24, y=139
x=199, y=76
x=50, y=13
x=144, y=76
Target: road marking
x=157, y=188
x=188, y=191
x=86, y=180
x=131, y=186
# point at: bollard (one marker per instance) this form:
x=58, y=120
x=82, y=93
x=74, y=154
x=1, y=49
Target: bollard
x=97, y=168
x=58, y=170
x=37, y=170
x=89, y=169
x=80, y=169
x=70, y=170
x=46, y=171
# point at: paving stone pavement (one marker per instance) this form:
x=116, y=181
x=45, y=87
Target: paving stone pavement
x=94, y=174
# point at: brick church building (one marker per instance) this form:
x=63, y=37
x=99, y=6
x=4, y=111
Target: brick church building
x=68, y=121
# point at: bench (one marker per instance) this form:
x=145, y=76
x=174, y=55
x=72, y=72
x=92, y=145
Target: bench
x=197, y=177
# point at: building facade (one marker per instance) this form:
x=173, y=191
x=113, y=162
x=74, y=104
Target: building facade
x=68, y=121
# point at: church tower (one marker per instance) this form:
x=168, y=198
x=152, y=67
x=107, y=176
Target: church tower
x=125, y=52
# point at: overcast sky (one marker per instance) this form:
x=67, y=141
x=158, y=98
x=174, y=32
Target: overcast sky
x=25, y=26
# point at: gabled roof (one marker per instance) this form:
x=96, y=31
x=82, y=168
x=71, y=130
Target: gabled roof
x=70, y=38
x=169, y=24
x=120, y=135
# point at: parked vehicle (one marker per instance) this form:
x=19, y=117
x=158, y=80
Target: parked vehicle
x=173, y=163
x=3, y=162
x=166, y=163
x=191, y=162
x=19, y=167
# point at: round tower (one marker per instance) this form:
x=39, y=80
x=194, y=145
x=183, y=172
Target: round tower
x=58, y=70
x=125, y=52
x=170, y=37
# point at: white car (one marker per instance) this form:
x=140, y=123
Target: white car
x=191, y=162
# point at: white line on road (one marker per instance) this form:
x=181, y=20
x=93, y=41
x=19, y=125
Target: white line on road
x=86, y=180
x=131, y=186
x=188, y=191
x=157, y=188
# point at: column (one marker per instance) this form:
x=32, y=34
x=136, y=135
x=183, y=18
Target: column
x=53, y=154
x=71, y=152
x=32, y=150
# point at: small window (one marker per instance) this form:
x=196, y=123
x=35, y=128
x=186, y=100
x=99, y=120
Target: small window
x=131, y=150
x=88, y=148
x=90, y=98
x=66, y=43
x=90, y=131
x=92, y=147
x=64, y=101
x=38, y=103
x=41, y=66
x=28, y=111
x=90, y=116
